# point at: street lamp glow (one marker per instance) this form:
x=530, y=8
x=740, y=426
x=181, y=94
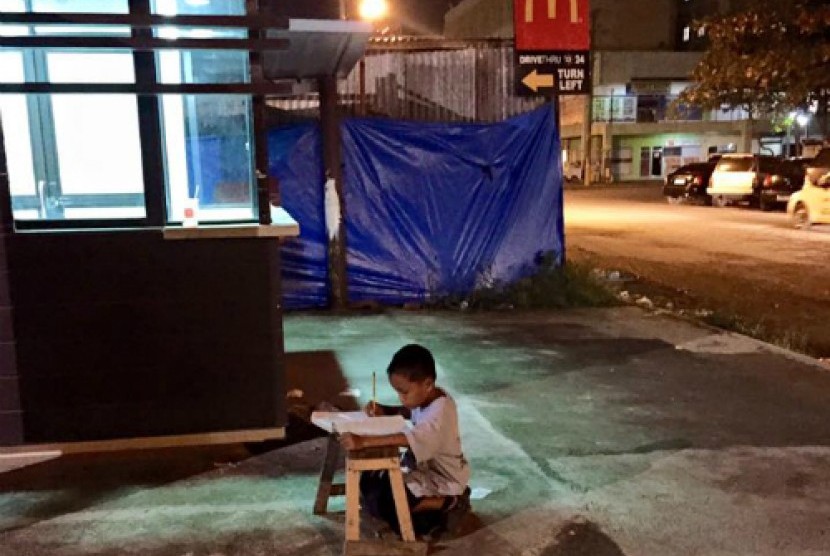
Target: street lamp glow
x=803, y=119
x=373, y=10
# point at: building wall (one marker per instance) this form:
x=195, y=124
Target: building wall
x=693, y=148
x=618, y=24
x=11, y=419
x=612, y=68
x=480, y=19
x=124, y=334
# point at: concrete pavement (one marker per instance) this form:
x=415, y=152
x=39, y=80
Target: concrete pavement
x=597, y=432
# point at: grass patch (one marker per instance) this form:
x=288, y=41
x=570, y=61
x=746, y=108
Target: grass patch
x=553, y=287
x=792, y=340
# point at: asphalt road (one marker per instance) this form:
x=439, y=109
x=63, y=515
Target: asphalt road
x=735, y=260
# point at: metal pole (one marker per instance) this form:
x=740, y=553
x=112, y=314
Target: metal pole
x=261, y=163
x=362, y=67
x=342, y=9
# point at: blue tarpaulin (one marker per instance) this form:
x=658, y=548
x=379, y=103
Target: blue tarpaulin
x=296, y=159
x=431, y=209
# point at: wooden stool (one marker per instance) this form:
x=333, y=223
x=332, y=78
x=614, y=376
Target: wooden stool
x=371, y=459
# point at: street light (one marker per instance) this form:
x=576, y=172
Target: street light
x=803, y=119
x=373, y=10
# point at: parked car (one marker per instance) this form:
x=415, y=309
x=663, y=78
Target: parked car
x=779, y=185
x=738, y=177
x=819, y=166
x=572, y=171
x=811, y=205
x=689, y=182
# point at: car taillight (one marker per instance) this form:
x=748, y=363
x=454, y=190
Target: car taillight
x=697, y=180
x=768, y=181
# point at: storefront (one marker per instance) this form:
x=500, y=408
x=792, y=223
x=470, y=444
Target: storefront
x=139, y=258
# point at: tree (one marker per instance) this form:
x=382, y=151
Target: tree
x=767, y=58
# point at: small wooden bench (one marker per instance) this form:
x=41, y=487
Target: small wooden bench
x=371, y=459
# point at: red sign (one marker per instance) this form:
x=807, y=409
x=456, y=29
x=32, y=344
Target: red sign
x=552, y=25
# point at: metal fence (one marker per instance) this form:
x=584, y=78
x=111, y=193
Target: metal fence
x=425, y=80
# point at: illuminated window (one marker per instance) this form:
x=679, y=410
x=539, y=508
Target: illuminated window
x=79, y=156
x=71, y=156
x=208, y=139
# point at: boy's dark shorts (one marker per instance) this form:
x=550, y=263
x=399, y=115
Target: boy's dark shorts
x=377, y=499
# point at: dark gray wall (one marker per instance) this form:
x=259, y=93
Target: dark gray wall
x=11, y=431
x=124, y=334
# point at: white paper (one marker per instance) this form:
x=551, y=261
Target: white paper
x=357, y=422
x=332, y=209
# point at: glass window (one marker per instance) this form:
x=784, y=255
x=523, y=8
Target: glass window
x=81, y=6
x=208, y=156
x=768, y=165
x=17, y=134
x=208, y=139
x=735, y=164
x=72, y=156
x=78, y=156
x=199, y=7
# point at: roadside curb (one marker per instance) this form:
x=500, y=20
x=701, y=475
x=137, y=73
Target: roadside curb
x=789, y=354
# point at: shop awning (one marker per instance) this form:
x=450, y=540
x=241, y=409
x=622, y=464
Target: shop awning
x=317, y=48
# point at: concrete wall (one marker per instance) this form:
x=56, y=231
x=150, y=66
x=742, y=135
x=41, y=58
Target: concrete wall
x=618, y=24
x=623, y=67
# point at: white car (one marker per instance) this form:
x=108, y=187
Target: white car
x=811, y=205
x=739, y=177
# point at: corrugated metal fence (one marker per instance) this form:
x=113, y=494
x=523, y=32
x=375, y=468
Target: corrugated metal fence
x=425, y=80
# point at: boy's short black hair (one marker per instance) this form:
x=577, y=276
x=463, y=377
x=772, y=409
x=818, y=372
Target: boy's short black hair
x=413, y=361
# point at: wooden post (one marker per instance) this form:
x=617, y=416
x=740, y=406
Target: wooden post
x=332, y=156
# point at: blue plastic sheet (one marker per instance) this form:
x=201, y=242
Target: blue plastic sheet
x=296, y=159
x=431, y=209
x=437, y=209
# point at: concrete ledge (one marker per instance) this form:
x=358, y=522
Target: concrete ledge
x=229, y=437
x=232, y=232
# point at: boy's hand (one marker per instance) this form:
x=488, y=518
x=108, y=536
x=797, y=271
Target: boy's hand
x=351, y=442
x=374, y=409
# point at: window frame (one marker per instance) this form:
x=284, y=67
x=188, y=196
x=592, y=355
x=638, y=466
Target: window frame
x=148, y=89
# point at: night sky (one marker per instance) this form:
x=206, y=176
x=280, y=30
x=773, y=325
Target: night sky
x=419, y=16
x=429, y=13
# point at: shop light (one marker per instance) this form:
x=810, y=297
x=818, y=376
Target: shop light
x=373, y=10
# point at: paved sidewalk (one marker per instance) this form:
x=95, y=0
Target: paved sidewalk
x=595, y=432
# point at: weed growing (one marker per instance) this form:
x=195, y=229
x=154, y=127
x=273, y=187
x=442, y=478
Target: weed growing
x=551, y=287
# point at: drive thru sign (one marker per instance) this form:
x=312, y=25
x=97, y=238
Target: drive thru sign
x=553, y=43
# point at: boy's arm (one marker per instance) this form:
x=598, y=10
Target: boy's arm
x=377, y=410
x=357, y=442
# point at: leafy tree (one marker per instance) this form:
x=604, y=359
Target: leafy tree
x=767, y=57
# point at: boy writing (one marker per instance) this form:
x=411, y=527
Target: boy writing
x=436, y=473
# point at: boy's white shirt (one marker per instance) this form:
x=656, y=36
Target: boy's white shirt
x=435, y=442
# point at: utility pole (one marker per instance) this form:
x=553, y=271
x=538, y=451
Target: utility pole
x=588, y=113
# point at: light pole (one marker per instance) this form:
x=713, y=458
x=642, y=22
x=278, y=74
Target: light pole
x=803, y=120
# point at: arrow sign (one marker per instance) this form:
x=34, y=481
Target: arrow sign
x=535, y=80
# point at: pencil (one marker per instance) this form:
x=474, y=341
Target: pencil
x=374, y=391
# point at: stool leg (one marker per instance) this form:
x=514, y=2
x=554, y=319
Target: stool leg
x=327, y=476
x=352, y=504
x=401, y=505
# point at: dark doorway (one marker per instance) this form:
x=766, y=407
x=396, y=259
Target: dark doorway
x=657, y=161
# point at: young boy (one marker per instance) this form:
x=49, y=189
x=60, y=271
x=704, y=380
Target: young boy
x=436, y=474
